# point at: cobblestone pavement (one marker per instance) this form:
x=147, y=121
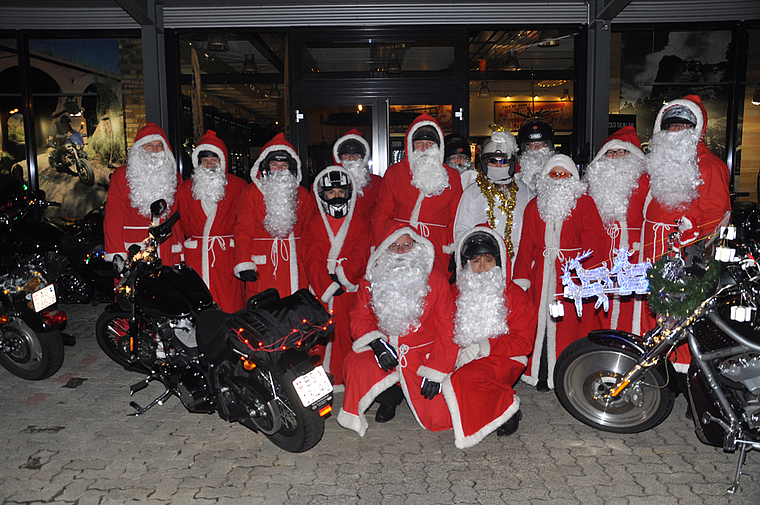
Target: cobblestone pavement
x=68, y=440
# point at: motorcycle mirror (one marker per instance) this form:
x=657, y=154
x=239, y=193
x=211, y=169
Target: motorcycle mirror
x=40, y=194
x=158, y=207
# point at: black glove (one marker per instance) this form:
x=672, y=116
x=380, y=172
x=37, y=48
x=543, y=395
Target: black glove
x=340, y=290
x=248, y=275
x=386, y=356
x=430, y=388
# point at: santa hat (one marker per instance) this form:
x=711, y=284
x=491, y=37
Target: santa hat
x=351, y=135
x=424, y=120
x=693, y=104
x=393, y=231
x=210, y=142
x=278, y=143
x=505, y=264
x=151, y=132
x=561, y=160
x=624, y=138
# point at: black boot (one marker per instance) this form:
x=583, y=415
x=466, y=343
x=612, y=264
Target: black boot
x=542, y=386
x=388, y=400
x=510, y=426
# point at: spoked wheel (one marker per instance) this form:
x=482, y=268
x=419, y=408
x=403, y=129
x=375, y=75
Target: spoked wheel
x=301, y=428
x=112, y=334
x=585, y=375
x=86, y=173
x=29, y=354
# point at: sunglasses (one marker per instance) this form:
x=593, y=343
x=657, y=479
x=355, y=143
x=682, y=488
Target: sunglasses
x=497, y=161
x=560, y=175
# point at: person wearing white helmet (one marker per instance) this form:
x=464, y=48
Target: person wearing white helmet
x=560, y=223
x=498, y=198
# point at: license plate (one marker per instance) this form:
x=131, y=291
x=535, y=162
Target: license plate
x=43, y=298
x=312, y=386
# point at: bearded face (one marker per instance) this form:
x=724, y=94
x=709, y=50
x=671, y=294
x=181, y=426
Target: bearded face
x=209, y=184
x=428, y=174
x=359, y=172
x=151, y=177
x=672, y=167
x=480, y=306
x=460, y=167
x=532, y=164
x=280, y=190
x=557, y=197
x=611, y=182
x=399, y=285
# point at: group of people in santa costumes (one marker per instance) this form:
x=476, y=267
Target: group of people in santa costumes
x=376, y=250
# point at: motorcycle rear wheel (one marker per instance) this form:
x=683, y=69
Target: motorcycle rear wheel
x=302, y=428
x=86, y=173
x=585, y=371
x=30, y=355
x=112, y=334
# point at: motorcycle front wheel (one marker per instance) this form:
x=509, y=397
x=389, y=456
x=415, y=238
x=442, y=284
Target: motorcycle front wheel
x=584, y=376
x=29, y=354
x=86, y=173
x=112, y=334
x=301, y=428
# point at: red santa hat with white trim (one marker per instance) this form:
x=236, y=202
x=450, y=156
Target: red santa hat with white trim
x=210, y=142
x=624, y=138
x=564, y=161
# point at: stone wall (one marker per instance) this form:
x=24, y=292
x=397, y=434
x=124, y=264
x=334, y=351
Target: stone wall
x=133, y=90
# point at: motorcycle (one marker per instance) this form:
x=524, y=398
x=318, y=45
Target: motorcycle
x=31, y=329
x=71, y=158
x=251, y=367
x=622, y=383
x=88, y=276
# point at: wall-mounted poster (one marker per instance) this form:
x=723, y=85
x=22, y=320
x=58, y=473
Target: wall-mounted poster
x=512, y=114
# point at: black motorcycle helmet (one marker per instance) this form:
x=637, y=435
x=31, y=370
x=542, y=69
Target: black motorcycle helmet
x=426, y=133
x=281, y=155
x=480, y=242
x=351, y=146
x=455, y=143
x=678, y=114
x=337, y=207
x=535, y=130
x=206, y=154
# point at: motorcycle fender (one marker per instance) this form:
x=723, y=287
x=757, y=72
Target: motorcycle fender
x=633, y=343
x=294, y=363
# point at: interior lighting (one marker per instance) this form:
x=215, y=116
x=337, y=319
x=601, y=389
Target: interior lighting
x=513, y=63
x=274, y=93
x=484, y=90
x=755, y=97
x=249, y=65
x=217, y=43
x=393, y=67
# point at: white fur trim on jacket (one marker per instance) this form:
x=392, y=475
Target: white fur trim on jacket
x=351, y=288
x=361, y=344
x=329, y=292
x=523, y=283
x=240, y=267
x=431, y=373
x=205, y=267
x=358, y=423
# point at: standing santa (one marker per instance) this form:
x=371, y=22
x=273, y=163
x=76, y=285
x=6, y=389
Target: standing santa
x=149, y=175
x=560, y=223
x=352, y=152
x=272, y=215
x=207, y=204
x=618, y=185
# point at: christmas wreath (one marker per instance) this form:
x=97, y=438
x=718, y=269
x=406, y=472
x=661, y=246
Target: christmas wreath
x=673, y=292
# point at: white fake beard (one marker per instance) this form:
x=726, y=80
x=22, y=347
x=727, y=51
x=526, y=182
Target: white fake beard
x=532, y=164
x=151, y=177
x=557, y=197
x=672, y=167
x=462, y=167
x=209, y=184
x=428, y=174
x=280, y=190
x=399, y=285
x=480, y=306
x=359, y=172
x=611, y=183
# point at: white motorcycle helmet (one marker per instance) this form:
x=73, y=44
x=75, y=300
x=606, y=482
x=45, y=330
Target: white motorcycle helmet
x=501, y=145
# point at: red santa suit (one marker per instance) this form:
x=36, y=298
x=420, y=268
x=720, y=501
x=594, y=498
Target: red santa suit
x=431, y=216
x=366, y=195
x=209, y=246
x=626, y=312
x=123, y=224
x=278, y=261
x=426, y=351
x=480, y=393
x=705, y=212
x=538, y=270
x=339, y=247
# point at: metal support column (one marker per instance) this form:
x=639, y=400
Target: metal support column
x=597, y=78
x=27, y=108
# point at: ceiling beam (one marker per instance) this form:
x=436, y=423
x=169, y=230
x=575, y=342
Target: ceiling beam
x=611, y=9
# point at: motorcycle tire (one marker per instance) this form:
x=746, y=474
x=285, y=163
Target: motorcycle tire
x=112, y=334
x=586, y=370
x=302, y=428
x=86, y=173
x=30, y=355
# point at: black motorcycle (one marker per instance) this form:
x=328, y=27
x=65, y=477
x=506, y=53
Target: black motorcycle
x=622, y=383
x=31, y=328
x=251, y=367
x=71, y=158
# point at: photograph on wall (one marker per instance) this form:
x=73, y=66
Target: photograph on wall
x=659, y=66
x=511, y=115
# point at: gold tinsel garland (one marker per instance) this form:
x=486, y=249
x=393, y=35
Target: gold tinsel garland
x=507, y=196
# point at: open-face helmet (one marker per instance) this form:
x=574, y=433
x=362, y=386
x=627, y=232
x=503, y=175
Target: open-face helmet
x=535, y=130
x=480, y=242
